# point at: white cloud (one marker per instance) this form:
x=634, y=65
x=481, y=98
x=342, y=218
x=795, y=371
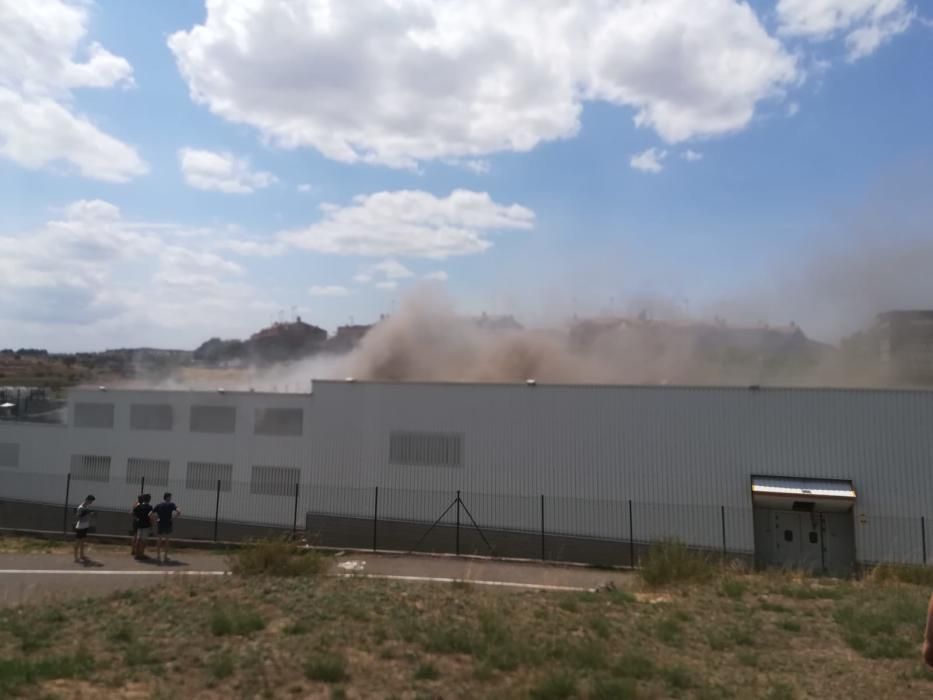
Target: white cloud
x=383, y=275
x=402, y=81
x=866, y=24
x=692, y=155
x=411, y=223
x=252, y=248
x=221, y=172
x=648, y=161
x=792, y=109
x=390, y=269
x=39, y=67
x=93, y=268
x=328, y=291
x=438, y=276
x=305, y=188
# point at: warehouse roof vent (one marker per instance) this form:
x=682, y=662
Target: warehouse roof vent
x=793, y=492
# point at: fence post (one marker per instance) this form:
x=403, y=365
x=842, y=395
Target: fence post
x=375, y=517
x=543, y=556
x=295, y=514
x=217, y=510
x=923, y=536
x=142, y=484
x=631, y=536
x=723, y=518
x=67, y=500
x=458, y=523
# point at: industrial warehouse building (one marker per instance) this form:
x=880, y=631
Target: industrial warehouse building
x=814, y=478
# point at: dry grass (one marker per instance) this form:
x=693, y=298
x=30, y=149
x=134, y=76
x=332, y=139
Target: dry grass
x=753, y=636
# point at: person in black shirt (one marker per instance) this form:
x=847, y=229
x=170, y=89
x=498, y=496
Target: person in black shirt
x=165, y=512
x=142, y=522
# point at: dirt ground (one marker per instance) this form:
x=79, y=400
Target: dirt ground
x=734, y=636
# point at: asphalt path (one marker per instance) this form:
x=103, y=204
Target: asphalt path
x=36, y=577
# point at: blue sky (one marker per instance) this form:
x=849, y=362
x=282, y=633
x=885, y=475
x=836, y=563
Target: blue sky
x=173, y=173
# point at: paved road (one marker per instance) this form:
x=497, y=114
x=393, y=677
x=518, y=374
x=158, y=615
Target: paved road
x=38, y=577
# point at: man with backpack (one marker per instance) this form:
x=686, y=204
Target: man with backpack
x=83, y=514
x=165, y=513
x=142, y=523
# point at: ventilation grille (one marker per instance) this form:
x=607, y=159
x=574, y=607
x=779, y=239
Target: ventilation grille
x=274, y=481
x=155, y=471
x=90, y=468
x=203, y=476
x=426, y=449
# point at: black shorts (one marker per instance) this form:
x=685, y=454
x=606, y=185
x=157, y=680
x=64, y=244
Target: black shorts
x=165, y=528
x=140, y=527
x=80, y=533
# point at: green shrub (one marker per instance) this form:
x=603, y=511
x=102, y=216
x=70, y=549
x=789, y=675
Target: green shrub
x=733, y=588
x=613, y=689
x=635, y=665
x=221, y=666
x=555, y=687
x=275, y=558
x=883, y=623
x=671, y=562
x=235, y=620
x=904, y=573
x=426, y=672
x=15, y=673
x=327, y=668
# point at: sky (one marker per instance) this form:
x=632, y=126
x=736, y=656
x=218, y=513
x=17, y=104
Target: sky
x=171, y=172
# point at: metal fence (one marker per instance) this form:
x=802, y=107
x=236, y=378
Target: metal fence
x=533, y=526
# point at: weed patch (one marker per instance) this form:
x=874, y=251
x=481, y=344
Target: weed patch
x=221, y=666
x=275, y=558
x=634, y=665
x=555, y=687
x=327, y=668
x=733, y=588
x=16, y=673
x=671, y=562
x=426, y=672
x=903, y=573
x=884, y=623
x=239, y=620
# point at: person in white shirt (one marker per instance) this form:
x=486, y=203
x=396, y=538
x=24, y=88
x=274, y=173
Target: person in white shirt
x=82, y=525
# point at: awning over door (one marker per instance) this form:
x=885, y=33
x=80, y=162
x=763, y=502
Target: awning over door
x=802, y=494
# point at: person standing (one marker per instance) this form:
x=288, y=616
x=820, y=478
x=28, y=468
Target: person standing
x=165, y=512
x=142, y=523
x=82, y=525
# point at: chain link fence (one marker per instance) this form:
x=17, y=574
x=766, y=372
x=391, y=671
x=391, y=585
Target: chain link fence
x=593, y=531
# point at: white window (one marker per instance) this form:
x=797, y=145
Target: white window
x=9, y=454
x=213, y=419
x=279, y=421
x=93, y=415
x=150, y=416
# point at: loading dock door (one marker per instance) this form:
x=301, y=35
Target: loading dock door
x=804, y=524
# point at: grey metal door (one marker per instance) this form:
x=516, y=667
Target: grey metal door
x=838, y=543
x=811, y=541
x=785, y=539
